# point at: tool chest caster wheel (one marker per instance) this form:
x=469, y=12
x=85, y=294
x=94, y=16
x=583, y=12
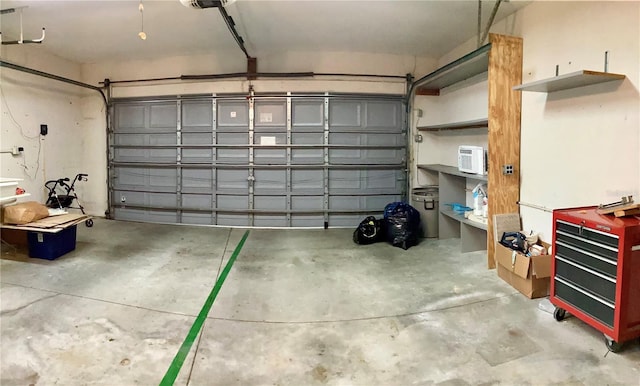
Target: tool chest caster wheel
x=89, y=223
x=612, y=345
x=559, y=314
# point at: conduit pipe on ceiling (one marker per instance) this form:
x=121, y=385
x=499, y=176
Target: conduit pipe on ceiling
x=233, y=75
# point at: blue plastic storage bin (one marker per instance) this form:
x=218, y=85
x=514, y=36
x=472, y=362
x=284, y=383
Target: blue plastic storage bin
x=50, y=246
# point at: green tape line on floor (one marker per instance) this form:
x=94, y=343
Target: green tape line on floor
x=178, y=360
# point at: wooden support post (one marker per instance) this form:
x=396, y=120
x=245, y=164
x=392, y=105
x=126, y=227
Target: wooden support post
x=505, y=71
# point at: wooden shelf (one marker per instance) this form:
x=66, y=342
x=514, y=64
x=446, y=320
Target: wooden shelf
x=473, y=124
x=568, y=81
x=466, y=67
x=459, y=217
x=452, y=170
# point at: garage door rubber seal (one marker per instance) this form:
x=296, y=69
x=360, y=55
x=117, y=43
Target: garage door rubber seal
x=172, y=373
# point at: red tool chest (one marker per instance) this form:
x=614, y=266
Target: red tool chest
x=596, y=272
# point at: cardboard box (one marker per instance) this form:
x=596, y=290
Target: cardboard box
x=529, y=275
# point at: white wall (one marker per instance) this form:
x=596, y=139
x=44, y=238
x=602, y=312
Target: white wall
x=592, y=133
x=29, y=101
x=580, y=146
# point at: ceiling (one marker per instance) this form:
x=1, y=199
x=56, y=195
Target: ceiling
x=104, y=30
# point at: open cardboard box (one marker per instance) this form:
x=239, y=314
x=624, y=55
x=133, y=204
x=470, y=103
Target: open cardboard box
x=529, y=275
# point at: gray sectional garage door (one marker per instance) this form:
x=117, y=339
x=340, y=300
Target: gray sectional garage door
x=276, y=161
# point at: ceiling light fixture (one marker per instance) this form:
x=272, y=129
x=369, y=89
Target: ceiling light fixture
x=141, y=34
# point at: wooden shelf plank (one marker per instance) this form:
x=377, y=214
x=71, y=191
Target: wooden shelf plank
x=473, y=124
x=468, y=66
x=458, y=217
x=568, y=81
x=452, y=170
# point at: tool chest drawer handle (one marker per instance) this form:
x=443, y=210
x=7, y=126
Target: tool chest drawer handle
x=612, y=262
x=612, y=249
x=586, y=269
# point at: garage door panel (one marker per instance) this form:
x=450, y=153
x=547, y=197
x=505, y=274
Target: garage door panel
x=365, y=182
x=384, y=115
x=270, y=202
x=307, y=156
x=270, y=221
x=307, y=181
x=383, y=157
x=235, y=155
x=196, y=201
x=145, y=179
x=199, y=154
x=197, y=181
x=163, y=179
x=146, y=215
x=144, y=153
x=345, y=114
x=345, y=220
x=270, y=116
x=197, y=218
x=270, y=181
x=197, y=116
x=270, y=156
x=163, y=200
x=231, y=180
x=197, y=138
x=129, y=116
x=345, y=180
x=163, y=116
x=130, y=178
x=307, y=202
x=233, y=202
x=375, y=202
x=383, y=180
x=307, y=115
x=233, y=115
x=381, y=201
x=310, y=203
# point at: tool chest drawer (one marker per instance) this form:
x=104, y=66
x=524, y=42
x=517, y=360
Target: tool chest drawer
x=587, y=259
x=595, y=271
x=587, y=234
x=588, y=245
x=589, y=280
x=580, y=299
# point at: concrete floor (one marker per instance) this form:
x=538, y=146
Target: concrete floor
x=299, y=307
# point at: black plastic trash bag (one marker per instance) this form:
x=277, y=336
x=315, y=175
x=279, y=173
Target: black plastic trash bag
x=403, y=224
x=369, y=231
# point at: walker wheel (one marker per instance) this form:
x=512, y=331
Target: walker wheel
x=88, y=223
x=612, y=345
x=559, y=314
